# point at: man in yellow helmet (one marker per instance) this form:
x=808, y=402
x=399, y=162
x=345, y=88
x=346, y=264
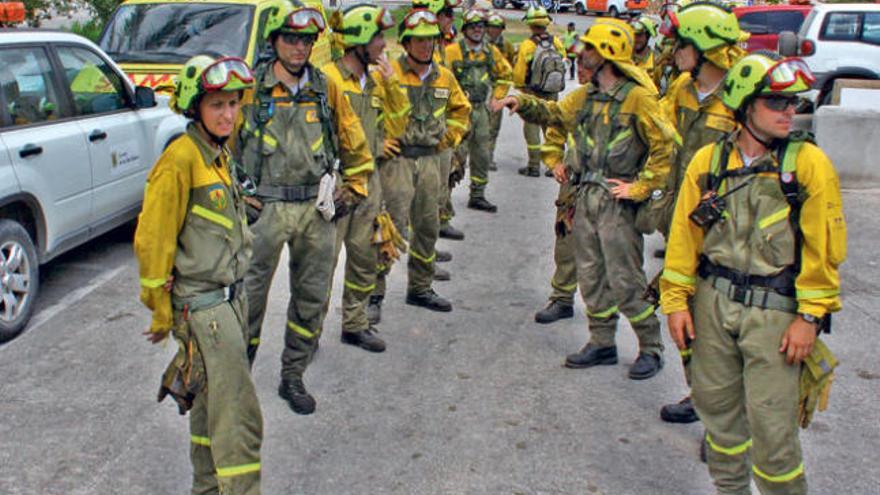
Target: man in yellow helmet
x=624, y=146
x=540, y=72
x=193, y=247
x=495, y=26
x=411, y=181
x=483, y=73
x=749, y=280
x=706, y=46
x=298, y=130
x=383, y=108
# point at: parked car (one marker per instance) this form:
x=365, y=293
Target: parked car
x=76, y=142
x=152, y=39
x=765, y=22
x=611, y=8
x=837, y=41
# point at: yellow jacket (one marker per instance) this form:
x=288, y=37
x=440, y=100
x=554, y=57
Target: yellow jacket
x=524, y=59
x=821, y=221
x=646, y=62
x=387, y=93
x=182, y=167
x=641, y=105
x=506, y=48
x=501, y=71
x=456, y=110
x=354, y=152
x=553, y=149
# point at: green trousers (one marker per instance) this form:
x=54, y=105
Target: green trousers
x=564, y=281
x=494, y=131
x=310, y=241
x=474, y=152
x=746, y=395
x=608, y=249
x=445, y=209
x=533, y=133
x=355, y=231
x=226, y=426
x=411, y=190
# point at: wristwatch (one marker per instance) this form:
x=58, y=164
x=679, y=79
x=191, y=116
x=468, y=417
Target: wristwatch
x=815, y=320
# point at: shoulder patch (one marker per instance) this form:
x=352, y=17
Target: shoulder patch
x=441, y=93
x=217, y=195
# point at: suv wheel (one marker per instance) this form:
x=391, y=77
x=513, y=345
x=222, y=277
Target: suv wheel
x=19, y=278
x=499, y=4
x=580, y=9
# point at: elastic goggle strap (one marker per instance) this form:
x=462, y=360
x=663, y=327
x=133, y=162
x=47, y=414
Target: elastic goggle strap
x=217, y=75
x=302, y=18
x=785, y=73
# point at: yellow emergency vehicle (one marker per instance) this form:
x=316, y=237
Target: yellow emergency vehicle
x=152, y=39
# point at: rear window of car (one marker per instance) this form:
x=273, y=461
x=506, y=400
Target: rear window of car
x=871, y=29
x=771, y=22
x=841, y=26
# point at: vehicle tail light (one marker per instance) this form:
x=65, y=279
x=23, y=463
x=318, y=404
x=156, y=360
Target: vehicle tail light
x=807, y=48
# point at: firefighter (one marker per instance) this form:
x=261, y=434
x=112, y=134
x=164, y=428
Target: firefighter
x=495, y=26
x=382, y=107
x=749, y=281
x=483, y=73
x=193, y=247
x=624, y=146
x=411, y=181
x=298, y=125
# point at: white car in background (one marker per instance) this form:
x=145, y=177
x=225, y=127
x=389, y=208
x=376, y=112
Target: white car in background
x=838, y=41
x=77, y=140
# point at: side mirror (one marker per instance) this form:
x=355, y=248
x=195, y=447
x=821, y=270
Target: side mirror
x=144, y=97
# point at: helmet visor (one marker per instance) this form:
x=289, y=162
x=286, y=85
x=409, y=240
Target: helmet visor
x=385, y=20
x=416, y=17
x=495, y=20
x=302, y=18
x=217, y=75
x=670, y=25
x=786, y=73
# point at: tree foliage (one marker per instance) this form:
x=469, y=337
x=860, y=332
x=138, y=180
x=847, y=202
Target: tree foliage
x=40, y=10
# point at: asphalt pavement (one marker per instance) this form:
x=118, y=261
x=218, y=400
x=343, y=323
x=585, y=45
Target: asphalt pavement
x=471, y=402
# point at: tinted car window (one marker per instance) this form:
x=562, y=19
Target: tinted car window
x=754, y=22
x=26, y=83
x=95, y=87
x=841, y=26
x=871, y=29
x=778, y=22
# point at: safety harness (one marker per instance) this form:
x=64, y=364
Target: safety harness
x=476, y=89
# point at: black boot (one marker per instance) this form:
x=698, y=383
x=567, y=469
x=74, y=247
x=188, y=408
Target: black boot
x=443, y=256
x=554, y=311
x=365, y=339
x=493, y=167
x=374, y=309
x=529, y=172
x=447, y=231
x=481, y=204
x=591, y=355
x=646, y=366
x=548, y=173
x=430, y=300
x=680, y=412
x=441, y=275
x=294, y=392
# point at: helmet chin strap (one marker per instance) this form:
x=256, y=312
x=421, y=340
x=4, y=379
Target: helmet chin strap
x=295, y=73
x=218, y=140
x=769, y=144
x=363, y=57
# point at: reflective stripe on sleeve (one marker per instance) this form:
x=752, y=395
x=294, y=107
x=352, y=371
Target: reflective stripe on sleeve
x=152, y=283
x=212, y=216
x=455, y=123
x=818, y=293
x=366, y=167
x=678, y=278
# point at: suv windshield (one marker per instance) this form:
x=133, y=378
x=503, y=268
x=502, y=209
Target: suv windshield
x=174, y=32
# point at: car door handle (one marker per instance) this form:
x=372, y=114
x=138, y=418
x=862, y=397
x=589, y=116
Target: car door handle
x=97, y=135
x=29, y=150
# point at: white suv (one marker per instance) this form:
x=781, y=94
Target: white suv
x=837, y=41
x=76, y=143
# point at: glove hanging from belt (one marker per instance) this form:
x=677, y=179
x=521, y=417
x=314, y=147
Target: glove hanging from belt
x=565, y=208
x=456, y=171
x=386, y=236
x=185, y=376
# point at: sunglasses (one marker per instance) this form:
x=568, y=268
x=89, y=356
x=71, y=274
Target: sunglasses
x=780, y=103
x=301, y=18
x=787, y=72
x=295, y=38
x=217, y=75
x=419, y=16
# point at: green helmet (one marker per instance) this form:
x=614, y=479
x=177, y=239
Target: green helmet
x=644, y=24
x=419, y=23
x=707, y=25
x=537, y=16
x=473, y=16
x=764, y=73
x=435, y=6
x=361, y=22
x=286, y=18
x=202, y=74
x=496, y=20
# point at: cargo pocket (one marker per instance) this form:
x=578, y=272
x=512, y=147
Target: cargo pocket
x=776, y=241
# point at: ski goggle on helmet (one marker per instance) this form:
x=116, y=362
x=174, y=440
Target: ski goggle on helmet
x=219, y=74
x=304, y=20
x=419, y=16
x=786, y=73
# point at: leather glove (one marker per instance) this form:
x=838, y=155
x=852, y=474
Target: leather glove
x=391, y=148
x=252, y=209
x=344, y=201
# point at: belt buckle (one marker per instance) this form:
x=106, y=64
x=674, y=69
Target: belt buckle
x=228, y=292
x=740, y=294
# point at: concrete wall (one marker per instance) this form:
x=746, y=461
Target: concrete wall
x=851, y=138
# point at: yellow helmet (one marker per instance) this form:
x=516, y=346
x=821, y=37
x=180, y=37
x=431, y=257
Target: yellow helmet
x=612, y=38
x=537, y=16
